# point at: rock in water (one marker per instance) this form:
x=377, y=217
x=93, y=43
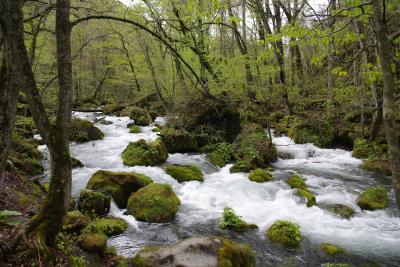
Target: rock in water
x=145, y=154
x=199, y=252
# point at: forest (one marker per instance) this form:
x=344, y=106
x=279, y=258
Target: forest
x=200, y=133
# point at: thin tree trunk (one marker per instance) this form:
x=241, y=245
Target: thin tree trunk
x=389, y=97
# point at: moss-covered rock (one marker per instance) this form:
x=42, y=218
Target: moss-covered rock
x=220, y=154
x=296, y=182
x=139, y=115
x=330, y=249
x=145, y=154
x=156, y=129
x=375, y=197
x=254, y=145
x=362, y=149
x=285, y=233
x=260, y=176
x=230, y=221
x=134, y=128
x=178, y=140
x=94, y=202
x=108, y=226
x=84, y=131
x=25, y=126
x=30, y=166
x=93, y=242
x=378, y=164
x=184, y=173
x=154, y=203
x=198, y=251
x=311, y=200
x=118, y=184
x=76, y=163
x=242, y=166
x=74, y=221
x=342, y=210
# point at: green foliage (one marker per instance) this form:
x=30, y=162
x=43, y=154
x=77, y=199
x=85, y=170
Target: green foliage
x=285, y=233
x=108, y=226
x=230, y=221
x=154, y=203
x=185, y=173
x=8, y=217
x=242, y=166
x=145, y=154
x=134, y=129
x=77, y=261
x=94, y=202
x=260, y=176
x=220, y=154
x=375, y=197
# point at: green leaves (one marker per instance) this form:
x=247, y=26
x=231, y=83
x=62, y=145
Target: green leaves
x=8, y=217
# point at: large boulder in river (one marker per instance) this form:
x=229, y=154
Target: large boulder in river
x=145, y=154
x=139, y=115
x=285, y=233
x=374, y=198
x=118, y=184
x=154, y=203
x=179, y=140
x=84, y=131
x=184, y=173
x=198, y=251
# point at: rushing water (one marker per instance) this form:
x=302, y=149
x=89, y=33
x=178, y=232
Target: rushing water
x=331, y=174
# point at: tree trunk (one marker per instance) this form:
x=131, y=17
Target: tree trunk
x=389, y=97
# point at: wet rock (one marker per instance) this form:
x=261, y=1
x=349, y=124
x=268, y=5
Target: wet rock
x=154, y=203
x=145, y=154
x=93, y=242
x=260, y=176
x=184, y=173
x=199, y=252
x=340, y=209
x=375, y=197
x=117, y=184
x=84, y=131
x=285, y=233
x=94, y=202
x=139, y=115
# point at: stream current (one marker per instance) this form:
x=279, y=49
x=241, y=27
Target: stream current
x=332, y=175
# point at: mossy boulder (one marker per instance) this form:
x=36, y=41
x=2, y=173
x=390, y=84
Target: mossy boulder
x=29, y=166
x=83, y=131
x=342, y=210
x=119, y=185
x=154, y=203
x=330, y=249
x=134, y=128
x=108, y=226
x=178, y=140
x=220, y=154
x=156, y=129
x=139, y=115
x=94, y=202
x=74, y=221
x=184, y=173
x=231, y=221
x=242, y=166
x=93, y=242
x=145, y=154
x=296, y=182
x=378, y=164
x=260, y=176
x=254, y=145
x=375, y=197
x=198, y=251
x=285, y=233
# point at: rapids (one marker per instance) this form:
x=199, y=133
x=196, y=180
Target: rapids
x=331, y=174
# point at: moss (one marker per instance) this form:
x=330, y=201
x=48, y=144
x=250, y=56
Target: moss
x=108, y=226
x=154, y=203
x=296, y=181
x=25, y=126
x=30, y=166
x=76, y=163
x=118, y=184
x=94, y=202
x=134, y=129
x=285, y=233
x=220, y=154
x=84, y=131
x=145, y=154
x=260, y=176
x=178, y=140
x=242, y=166
x=311, y=201
x=373, y=198
x=24, y=148
x=156, y=130
x=185, y=173
x=254, y=145
x=140, y=116
x=230, y=221
x=74, y=221
x=378, y=164
x=340, y=209
x=330, y=249
x=93, y=242
x=232, y=254
x=23, y=199
x=362, y=149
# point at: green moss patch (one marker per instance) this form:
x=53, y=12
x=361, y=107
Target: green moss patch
x=260, y=176
x=134, y=129
x=141, y=116
x=178, y=140
x=297, y=182
x=373, y=198
x=242, y=166
x=83, y=131
x=330, y=249
x=311, y=200
x=108, y=226
x=154, y=203
x=93, y=242
x=285, y=233
x=235, y=255
x=378, y=164
x=184, y=173
x=230, y=221
x=118, y=184
x=145, y=154
x=74, y=221
x=94, y=202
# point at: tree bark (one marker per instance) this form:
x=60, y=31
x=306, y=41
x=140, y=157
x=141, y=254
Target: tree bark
x=389, y=96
